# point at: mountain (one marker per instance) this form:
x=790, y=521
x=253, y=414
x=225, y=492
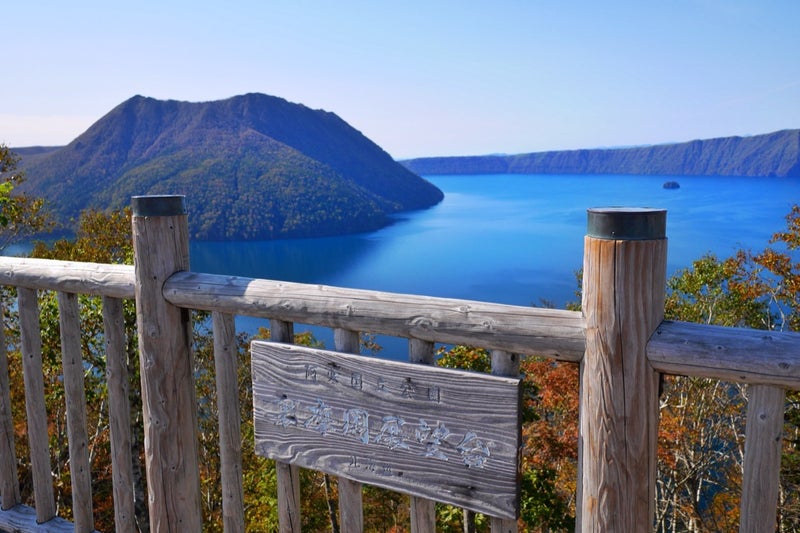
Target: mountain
x=772, y=154
x=251, y=167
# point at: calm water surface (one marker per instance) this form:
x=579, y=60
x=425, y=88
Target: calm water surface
x=515, y=239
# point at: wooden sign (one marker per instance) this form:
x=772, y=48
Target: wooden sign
x=448, y=435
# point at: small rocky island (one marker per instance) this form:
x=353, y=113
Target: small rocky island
x=672, y=185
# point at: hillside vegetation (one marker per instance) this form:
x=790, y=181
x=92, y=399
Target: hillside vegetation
x=772, y=154
x=251, y=167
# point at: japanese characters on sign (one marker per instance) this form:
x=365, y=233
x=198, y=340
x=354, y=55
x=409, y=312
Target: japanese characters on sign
x=437, y=433
x=421, y=436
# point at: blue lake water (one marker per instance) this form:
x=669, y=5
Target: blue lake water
x=515, y=239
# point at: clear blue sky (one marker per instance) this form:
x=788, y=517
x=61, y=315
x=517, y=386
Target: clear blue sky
x=420, y=78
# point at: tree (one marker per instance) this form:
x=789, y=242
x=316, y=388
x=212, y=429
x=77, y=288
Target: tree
x=701, y=438
x=20, y=215
x=550, y=435
x=701, y=435
x=103, y=237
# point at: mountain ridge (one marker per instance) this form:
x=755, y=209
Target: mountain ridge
x=252, y=166
x=772, y=154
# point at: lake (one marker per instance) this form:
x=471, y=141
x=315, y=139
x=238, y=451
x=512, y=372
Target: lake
x=512, y=238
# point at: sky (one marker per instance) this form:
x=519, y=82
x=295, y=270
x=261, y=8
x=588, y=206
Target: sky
x=419, y=78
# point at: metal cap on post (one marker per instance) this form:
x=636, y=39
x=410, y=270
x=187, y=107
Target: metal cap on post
x=158, y=206
x=627, y=223
x=624, y=283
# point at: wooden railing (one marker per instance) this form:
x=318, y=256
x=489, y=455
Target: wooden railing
x=619, y=338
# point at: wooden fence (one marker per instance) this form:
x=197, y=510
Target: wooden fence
x=620, y=340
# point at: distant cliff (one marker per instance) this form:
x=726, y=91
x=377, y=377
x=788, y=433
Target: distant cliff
x=251, y=167
x=772, y=154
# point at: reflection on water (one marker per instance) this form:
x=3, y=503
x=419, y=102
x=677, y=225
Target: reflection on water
x=301, y=260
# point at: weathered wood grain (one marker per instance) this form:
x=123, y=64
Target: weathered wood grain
x=351, y=511
x=75, y=398
x=423, y=515
x=69, y=276
x=230, y=434
x=526, y=330
x=288, y=476
x=505, y=364
x=422, y=510
x=623, y=302
x=351, y=506
x=730, y=354
x=38, y=439
x=160, y=245
x=119, y=415
x=421, y=352
x=438, y=433
x=762, y=458
x=289, y=518
x=9, y=482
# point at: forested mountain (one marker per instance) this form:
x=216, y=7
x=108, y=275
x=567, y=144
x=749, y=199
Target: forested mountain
x=251, y=167
x=772, y=154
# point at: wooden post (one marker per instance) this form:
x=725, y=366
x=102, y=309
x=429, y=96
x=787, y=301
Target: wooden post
x=423, y=510
x=226, y=365
x=119, y=415
x=505, y=364
x=35, y=405
x=351, y=500
x=75, y=396
x=9, y=482
x=288, y=476
x=762, y=458
x=161, y=248
x=624, y=278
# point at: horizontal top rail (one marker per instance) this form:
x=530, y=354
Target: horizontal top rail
x=96, y=279
x=524, y=330
x=731, y=354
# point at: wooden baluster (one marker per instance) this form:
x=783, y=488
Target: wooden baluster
x=169, y=405
x=504, y=364
x=230, y=432
x=351, y=514
x=762, y=458
x=9, y=482
x=119, y=415
x=423, y=510
x=624, y=282
x=75, y=397
x=35, y=404
x=288, y=475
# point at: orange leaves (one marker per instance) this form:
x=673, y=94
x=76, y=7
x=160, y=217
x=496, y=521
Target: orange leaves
x=552, y=436
x=790, y=237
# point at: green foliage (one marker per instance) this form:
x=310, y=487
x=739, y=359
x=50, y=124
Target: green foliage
x=464, y=357
x=5, y=200
x=711, y=292
x=20, y=215
x=102, y=237
x=543, y=506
